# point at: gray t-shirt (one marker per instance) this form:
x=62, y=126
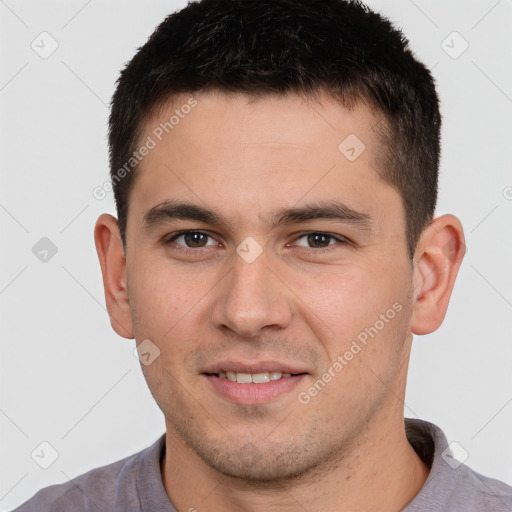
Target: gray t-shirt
x=134, y=484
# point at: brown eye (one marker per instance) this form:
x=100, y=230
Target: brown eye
x=318, y=240
x=195, y=239
x=192, y=239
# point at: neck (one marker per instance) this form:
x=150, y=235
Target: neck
x=381, y=471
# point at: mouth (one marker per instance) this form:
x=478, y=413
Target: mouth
x=255, y=383
x=252, y=378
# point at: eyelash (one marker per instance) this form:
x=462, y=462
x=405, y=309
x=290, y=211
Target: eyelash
x=339, y=239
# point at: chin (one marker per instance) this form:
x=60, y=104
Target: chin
x=262, y=471
x=260, y=461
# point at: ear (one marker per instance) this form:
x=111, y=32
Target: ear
x=109, y=247
x=437, y=260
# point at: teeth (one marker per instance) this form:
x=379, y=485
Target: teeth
x=260, y=378
x=257, y=378
x=244, y=378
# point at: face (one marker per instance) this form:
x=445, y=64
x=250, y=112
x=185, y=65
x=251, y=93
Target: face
x=262, y=242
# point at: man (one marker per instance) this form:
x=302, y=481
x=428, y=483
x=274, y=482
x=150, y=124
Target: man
x=275, y=172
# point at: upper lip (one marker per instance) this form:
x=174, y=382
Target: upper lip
x=254, y=367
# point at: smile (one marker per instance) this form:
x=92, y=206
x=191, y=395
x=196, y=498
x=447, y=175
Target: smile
x=256, y=378
x=260, y=387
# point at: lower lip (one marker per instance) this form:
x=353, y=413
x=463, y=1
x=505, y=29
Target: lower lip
x=252, y=394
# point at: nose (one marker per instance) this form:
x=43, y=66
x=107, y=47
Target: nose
x=251, y=299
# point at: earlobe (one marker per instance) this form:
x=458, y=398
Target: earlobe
x=437, y=260
x=112, y=259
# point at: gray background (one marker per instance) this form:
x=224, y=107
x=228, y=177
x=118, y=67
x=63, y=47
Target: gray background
x=67, y=379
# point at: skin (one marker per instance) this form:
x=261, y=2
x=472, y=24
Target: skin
x=300, y=304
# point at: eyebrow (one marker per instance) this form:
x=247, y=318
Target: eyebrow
x=170, y=210
x=331, y=210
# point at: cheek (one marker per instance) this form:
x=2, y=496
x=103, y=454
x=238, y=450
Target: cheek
x=163, y=311
x=161, y=305
x=342, y=296
x=162, y=293
x=352, y=303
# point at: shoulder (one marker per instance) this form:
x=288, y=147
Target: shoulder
x=94, y=491
x=88, y=492
x=452, y=486
x=484, y=492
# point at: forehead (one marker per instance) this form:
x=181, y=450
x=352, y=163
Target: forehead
x=231, y=151
x=268, y=119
